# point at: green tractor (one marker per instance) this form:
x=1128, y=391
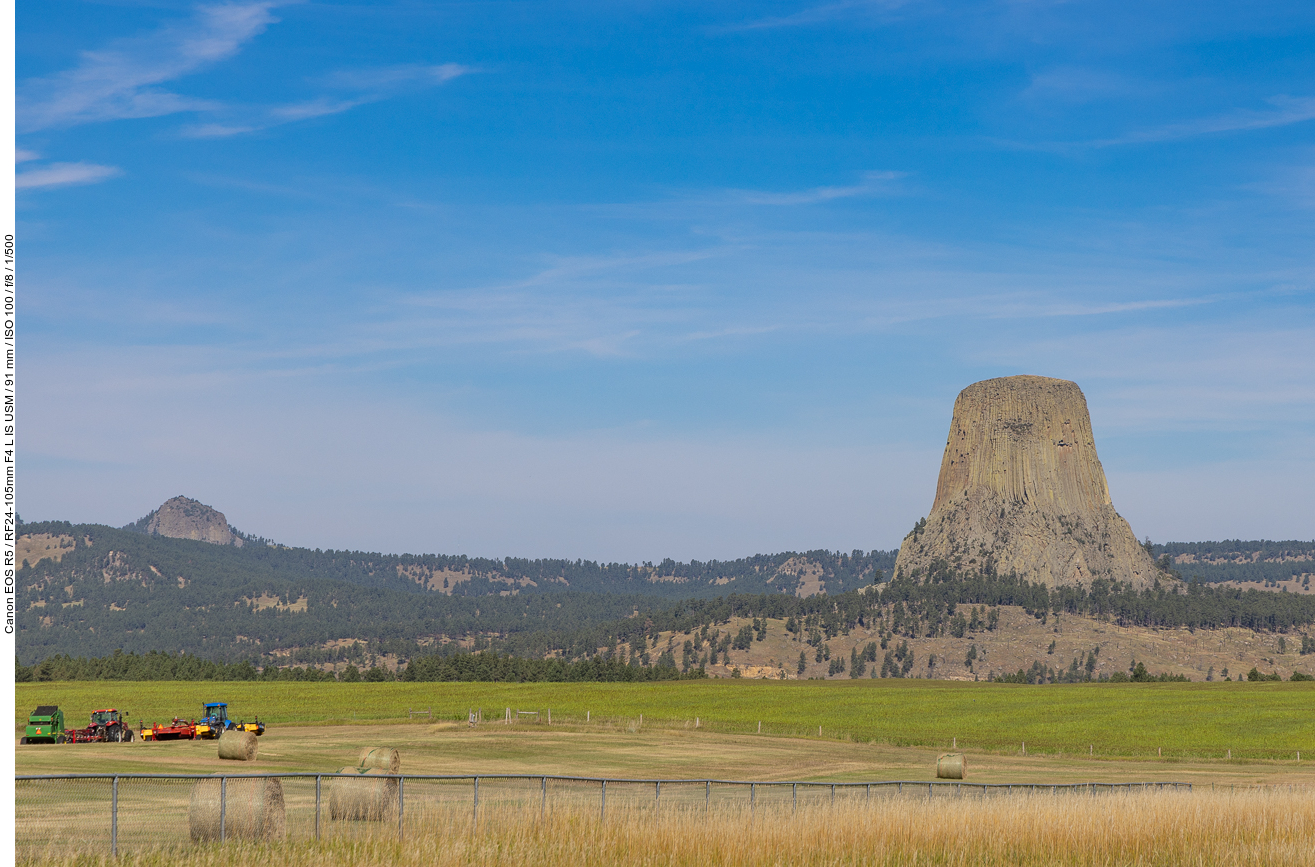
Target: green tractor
x=45, y=725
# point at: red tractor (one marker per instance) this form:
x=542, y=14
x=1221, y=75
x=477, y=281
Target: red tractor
x=106, y=726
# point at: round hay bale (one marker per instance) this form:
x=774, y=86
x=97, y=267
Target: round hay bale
x=253, y=809
x=951, y=766
x=385, y=758
x=366, y=795
x=238, y=746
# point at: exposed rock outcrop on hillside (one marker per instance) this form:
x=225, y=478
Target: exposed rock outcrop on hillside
x=1021, y=490
x=185, y=518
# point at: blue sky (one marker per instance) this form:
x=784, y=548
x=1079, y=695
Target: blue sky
x=635, y=280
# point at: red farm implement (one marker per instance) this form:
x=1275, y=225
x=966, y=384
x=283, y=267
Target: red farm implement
x=176, y=730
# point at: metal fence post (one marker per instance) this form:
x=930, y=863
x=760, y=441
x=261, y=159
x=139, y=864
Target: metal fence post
x=401, y=805
x=543, y=805
x=114, y=816
x=223, y=806
x=474, y=812
x=602, y=801
x=707, y=794
x=753, y=798
x=657, y=796
x=794, y=797
x=317, y=808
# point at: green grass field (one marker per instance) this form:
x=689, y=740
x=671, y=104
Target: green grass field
x=1253, y=809
x=1190, y=720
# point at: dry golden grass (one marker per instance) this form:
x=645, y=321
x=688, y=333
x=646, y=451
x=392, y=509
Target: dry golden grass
x=1253, y=827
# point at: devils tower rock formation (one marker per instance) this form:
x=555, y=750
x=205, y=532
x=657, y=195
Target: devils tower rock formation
x=1021, y=490
x=185, y=518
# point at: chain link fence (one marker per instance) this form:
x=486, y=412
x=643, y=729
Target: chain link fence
x=69, y=814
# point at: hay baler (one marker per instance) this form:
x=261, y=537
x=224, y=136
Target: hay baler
x=45, y=725
x=106, y=726
x=216, y=722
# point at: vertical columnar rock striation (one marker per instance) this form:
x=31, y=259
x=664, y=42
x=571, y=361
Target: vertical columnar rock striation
x=1021, y=490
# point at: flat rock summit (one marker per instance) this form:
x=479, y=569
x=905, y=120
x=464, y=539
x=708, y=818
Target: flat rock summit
x=1021, y=490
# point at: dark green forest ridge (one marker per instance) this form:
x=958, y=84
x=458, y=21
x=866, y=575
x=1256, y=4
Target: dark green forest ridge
x=631, y=648
x=114, y=589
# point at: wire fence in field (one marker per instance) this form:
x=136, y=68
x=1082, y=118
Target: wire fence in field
x=71, y=813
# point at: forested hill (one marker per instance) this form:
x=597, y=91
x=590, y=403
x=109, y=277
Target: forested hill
x=1235, y=560
x=91, y=589
x=60, y=548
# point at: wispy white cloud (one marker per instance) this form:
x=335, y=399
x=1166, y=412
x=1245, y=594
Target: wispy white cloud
x=318, y=107
x=23, y=156
x=64, y=175
x=1075, y=84
x=1294, y=184
x=1283, y=111
x=354, y=88
x=125, y=79
x=217, y=130
x=733, y=331
x=128, y=79
x=390, y=78
x=1049, y=310
x=602, y=306
x=821, y=14
x=872, y=183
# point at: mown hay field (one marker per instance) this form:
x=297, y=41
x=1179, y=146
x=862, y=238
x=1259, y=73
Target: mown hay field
x=1164, y=829
x=1187, y=720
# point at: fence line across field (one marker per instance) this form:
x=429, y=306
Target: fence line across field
x=523, y=790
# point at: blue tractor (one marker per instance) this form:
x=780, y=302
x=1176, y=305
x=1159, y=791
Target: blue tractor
x=214, y=722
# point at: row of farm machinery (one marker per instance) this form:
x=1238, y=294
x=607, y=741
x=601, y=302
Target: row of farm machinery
x=212, y=724
x=45, y=725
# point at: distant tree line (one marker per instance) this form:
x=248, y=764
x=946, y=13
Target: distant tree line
x=459, y=666
x=932, y=599
x=491, y=667
x=1290, y=559
x=157, y=666
x=1041, y=674
x=1292, y=548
